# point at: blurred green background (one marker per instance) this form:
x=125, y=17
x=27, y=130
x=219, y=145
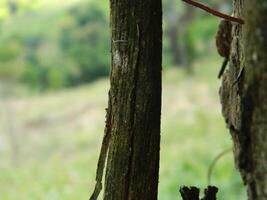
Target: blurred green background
x=54, y=67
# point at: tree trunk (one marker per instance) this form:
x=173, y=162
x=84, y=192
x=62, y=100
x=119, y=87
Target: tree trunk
x=244, y=95
x=135, y=100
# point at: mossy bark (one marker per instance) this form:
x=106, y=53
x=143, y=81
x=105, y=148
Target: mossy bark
x=244, y=95
x=135, y=100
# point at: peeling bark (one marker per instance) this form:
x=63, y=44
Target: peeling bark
x=244, y=95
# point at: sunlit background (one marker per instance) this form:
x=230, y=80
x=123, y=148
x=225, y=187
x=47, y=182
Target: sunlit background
x=54, y=67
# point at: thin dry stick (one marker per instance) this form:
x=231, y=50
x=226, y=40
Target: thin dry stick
x=215, y=12
x=215, y=160
x=103, y=154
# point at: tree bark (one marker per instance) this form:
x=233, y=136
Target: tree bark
x=244, y=95
x=135, y=100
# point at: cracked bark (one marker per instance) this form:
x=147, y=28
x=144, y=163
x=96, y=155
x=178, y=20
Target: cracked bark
x=135, y=100
x=244, y=102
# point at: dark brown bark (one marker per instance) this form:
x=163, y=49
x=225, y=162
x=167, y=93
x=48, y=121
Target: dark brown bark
x=192, y=193
x=244, y=95
x=133, y=117
x=189, y=193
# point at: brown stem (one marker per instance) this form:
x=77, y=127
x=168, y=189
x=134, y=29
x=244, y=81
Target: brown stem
x=215, y=12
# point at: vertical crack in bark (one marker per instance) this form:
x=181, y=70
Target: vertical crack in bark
x=136, y=70
x=247, y=108
x=133, y=113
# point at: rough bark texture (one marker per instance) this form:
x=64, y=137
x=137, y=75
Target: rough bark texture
x=135, y=100
x=244, y=95
x=192, y=193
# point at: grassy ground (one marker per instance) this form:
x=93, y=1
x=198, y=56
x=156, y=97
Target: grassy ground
x=49, y=143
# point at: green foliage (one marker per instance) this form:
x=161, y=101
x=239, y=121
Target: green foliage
x=34, y=76
x=56, y=78
x=47, y=46
x=56, y=49
x=200, y=36
x=86, y=42
x=9, y=52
